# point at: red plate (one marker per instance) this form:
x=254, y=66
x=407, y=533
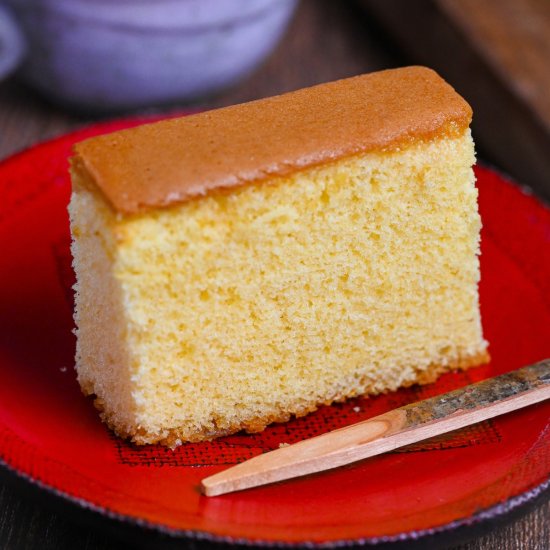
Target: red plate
x=51, y=434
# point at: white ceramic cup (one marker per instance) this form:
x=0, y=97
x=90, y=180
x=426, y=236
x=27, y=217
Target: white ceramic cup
x=123, y=54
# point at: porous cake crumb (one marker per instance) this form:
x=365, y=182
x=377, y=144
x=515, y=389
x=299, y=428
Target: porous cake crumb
x=232, y=274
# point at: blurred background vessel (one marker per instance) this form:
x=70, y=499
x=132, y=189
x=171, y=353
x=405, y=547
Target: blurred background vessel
x=101, y=55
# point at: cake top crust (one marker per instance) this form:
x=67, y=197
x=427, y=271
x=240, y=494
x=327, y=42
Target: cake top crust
x=167, y=162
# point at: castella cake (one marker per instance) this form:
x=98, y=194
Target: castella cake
x=243, y=265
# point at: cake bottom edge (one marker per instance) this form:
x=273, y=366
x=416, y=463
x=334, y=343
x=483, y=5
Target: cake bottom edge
x=173, y=437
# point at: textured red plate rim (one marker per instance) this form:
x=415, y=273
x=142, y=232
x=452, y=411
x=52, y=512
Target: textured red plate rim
x=498, y=510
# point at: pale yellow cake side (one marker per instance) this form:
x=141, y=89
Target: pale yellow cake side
x=239, y=308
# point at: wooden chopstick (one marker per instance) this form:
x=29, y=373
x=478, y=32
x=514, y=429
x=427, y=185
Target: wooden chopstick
x=389, y=431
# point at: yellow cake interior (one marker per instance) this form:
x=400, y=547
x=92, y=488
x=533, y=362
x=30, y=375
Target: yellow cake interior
x=240, y=308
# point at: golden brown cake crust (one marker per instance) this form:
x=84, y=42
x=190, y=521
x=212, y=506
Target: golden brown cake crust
x=175, y=160
x=174, y=437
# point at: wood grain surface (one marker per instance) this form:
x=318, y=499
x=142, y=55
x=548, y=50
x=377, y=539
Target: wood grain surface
x=514, y=37
x=326, y=40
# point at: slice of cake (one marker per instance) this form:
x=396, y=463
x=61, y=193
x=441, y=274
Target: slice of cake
x=244, y=265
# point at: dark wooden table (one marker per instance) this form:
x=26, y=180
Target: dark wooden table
x=327, y=40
